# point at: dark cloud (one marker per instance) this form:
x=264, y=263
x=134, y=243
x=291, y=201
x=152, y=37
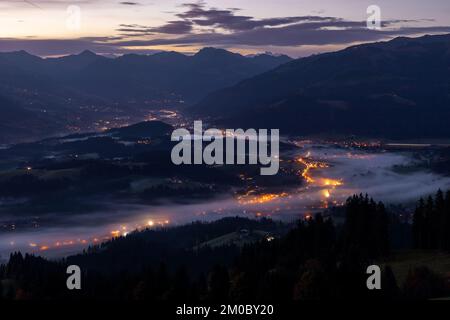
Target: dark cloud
x=129, y=3
x=314, y=33
x=171, y=27
x=33, y=4
x=202, y=26
x=175, y=27
x=197, y=15
x=228, y=19
x=199, y=25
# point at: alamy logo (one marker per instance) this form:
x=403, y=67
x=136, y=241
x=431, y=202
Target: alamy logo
x=374, y=280
x=374, y=18
x=227, y=147
x=74, y=280
x=73, y=21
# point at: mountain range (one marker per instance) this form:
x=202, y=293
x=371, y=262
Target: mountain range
x=44, y=95
x=394, y=89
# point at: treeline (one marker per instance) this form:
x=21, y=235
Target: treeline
x=314, y=260
x=431, y=223
x=28, y=184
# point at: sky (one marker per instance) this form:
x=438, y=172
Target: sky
x=294, y=27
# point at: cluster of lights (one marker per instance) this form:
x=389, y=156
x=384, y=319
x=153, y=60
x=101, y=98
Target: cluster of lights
x=327, y=183
x=308, y=166
x=123, y=231
x=249, y=199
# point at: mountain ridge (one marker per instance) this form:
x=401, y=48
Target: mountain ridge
x=63, y=91
x=397, y=88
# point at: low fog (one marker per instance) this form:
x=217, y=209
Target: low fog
x=359, y=172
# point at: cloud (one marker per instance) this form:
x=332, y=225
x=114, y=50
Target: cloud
x=171, y=27
x=129, y=3
x=305, y=34
x=31, y=3
x=227, y=19
x=197, y=25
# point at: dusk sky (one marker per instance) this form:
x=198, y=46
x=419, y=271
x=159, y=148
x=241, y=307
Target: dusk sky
x=294, y=27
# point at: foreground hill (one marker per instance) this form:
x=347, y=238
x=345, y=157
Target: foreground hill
x=396, y=89
x=313, y=260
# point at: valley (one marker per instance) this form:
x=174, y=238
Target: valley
x=111, y=184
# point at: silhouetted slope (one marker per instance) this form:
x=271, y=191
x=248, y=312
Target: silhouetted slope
x=398, y=88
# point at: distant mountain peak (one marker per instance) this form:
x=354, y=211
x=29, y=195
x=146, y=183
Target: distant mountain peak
x=211, y=51
x=23, y=52
x=266, y=53
x=22, y=55
x=88, y=53
x=77, y=61
x=168, y=53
